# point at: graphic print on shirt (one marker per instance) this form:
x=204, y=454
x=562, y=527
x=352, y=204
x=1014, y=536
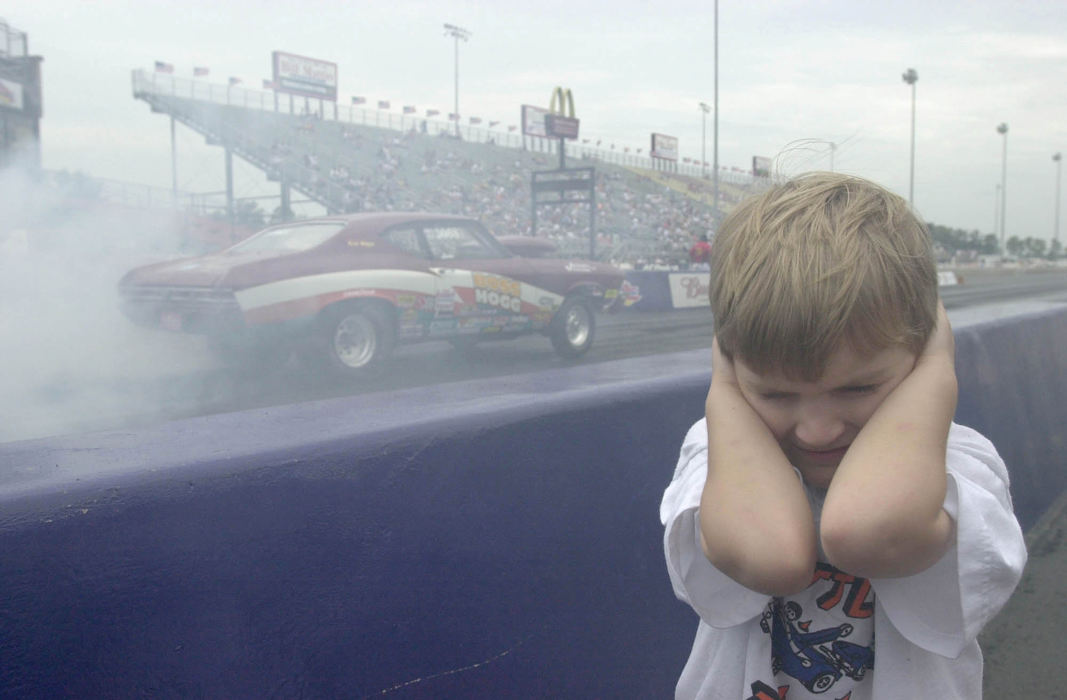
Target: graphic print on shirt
x=820, y=649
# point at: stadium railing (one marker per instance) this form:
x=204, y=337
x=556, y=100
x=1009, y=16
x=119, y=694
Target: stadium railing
x=269, y=100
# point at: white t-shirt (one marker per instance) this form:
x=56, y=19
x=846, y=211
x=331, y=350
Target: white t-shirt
x=887, y=639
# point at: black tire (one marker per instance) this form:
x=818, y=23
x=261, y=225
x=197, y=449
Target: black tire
x=573, y=328
x=358, y=339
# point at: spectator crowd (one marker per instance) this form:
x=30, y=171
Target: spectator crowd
x=643, y=218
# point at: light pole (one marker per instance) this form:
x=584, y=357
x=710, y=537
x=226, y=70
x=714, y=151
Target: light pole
x=996, y=212
x=715, y=136
x=1059, y=170
x=704, y=109
x=456, y=33
x=1002, y=129
x=911, y=76
x=833, y=147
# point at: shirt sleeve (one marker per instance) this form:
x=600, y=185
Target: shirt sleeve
x=717, y=599
x=943, y=608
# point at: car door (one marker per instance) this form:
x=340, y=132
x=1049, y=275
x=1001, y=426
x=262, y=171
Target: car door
x=480, y=284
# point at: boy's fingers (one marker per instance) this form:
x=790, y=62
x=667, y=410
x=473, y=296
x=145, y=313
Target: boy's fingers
x=941, y=341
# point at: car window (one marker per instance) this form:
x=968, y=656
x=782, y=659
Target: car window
x=406, y=238
x=293, y=238
x=457, y=242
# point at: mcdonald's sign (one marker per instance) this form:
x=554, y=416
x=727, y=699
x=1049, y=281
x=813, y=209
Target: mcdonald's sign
x=560, y=121
x=562, y=102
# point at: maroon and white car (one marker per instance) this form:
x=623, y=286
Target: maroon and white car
x=355, y=286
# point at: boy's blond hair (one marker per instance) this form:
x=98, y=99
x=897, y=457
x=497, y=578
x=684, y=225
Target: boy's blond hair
x=819, y=261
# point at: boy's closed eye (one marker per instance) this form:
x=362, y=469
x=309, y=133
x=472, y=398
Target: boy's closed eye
x=851, y=390
x=859, y=389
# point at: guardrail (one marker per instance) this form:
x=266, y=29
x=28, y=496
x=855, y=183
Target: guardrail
x=497, y=538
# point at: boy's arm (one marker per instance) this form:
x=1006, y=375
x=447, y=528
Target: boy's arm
x=883, y=514
x=755, y=522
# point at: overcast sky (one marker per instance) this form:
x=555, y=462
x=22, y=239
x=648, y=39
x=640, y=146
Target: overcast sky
x=789, y=70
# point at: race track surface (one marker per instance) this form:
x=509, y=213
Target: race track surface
x=131, y=377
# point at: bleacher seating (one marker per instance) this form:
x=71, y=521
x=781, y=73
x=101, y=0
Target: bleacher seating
x=643, y=216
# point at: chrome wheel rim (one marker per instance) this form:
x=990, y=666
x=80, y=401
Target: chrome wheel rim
x=577, y=325
x=355, y=340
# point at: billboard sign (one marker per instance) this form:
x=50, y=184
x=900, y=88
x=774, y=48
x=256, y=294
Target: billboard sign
x=559, y=126
x=10, y=94
x=533, y=121
x=664, y=147
x=761, y=166
x=300, y=75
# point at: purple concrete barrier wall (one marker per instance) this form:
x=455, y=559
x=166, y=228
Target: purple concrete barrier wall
x=496, y=539
x=1013, y=387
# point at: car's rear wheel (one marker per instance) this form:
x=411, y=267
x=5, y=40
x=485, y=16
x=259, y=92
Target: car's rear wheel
x=573, y=328
x=359, y=339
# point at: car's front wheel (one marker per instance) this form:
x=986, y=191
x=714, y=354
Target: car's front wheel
x=573, y=328
x=359, y=339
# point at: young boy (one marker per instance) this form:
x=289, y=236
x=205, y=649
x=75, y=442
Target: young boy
x=838, y=535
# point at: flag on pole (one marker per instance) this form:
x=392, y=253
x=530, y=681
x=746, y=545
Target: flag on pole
x=476, y=120
x=432, y=112
x=452, y=116
x=512, y=128
x=359, y=100
x=383, y=104
x=200, y=71
x=234, y=81
x=492, y=124
x=409, y=109
x=162, y=67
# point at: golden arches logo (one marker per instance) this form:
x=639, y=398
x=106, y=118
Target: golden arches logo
x=565, y=100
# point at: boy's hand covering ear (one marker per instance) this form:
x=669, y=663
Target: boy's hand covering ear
x=941, y=345
x=722, y=368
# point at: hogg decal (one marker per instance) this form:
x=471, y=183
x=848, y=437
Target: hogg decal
x=500, y=292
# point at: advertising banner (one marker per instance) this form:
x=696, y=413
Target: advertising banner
x=309, y=77
x=689, y=289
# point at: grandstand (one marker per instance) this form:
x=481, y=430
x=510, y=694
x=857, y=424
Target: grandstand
x=350, y=161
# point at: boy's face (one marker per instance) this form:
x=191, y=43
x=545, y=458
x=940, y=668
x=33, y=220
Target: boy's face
x=815, y=422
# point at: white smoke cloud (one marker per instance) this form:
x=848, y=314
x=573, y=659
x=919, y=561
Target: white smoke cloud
x=70, y=361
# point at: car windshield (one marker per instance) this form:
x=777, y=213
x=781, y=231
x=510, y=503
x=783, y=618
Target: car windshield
x=294, y=238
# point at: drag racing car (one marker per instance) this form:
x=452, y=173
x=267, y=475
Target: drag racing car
x=350, y=288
